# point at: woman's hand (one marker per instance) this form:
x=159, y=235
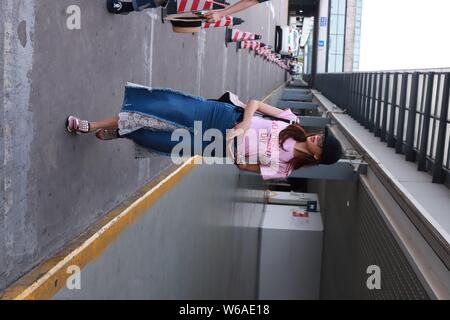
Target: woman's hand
x=237, y=132
x=214, y=16
x=242, y=127
x=217, y=15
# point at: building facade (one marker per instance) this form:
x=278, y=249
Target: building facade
x=338, y=33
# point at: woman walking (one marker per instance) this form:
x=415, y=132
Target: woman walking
x=272, y=147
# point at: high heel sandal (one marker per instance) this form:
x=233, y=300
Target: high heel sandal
x=107, y=134
x=76, y=125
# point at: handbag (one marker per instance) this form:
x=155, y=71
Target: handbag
x=231, y=98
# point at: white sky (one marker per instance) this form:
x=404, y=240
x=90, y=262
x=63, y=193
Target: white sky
x=405, y=34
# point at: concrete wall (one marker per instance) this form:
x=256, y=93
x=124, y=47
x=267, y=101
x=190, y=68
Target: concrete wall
x=202, y=246
x=2, y=217
x=349, y=35
x=322, y=42
x=54, y=185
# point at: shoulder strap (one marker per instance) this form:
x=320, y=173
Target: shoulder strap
x=296, y=121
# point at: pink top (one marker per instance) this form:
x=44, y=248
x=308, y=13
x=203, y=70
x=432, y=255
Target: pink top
x=261, y=146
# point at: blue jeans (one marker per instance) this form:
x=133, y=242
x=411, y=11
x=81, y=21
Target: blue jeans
x=180, y=110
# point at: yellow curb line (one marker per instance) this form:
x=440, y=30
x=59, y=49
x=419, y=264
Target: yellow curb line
x=51, y=276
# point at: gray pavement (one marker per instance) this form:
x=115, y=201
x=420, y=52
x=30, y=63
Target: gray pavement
x=54, y=185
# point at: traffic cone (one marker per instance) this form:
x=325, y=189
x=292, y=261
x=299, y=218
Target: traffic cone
x=234, y=35
x=191, y=23
x=185, y=6
x=242, y=45
x=259, y=50
x=252, y=45
x=226, y=21
x=264, y=49
x=256, y=46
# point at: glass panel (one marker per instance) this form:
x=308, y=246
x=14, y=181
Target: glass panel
x=341, y=24
x=340, y=44
x=333, y=44
x=342, y=5
x=333, y=24
x=331, y=63
x=339, y=63
x=334, y=6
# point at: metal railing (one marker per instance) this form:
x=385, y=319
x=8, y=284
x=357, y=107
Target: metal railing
x=407, y=110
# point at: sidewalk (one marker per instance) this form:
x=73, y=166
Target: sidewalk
x=56, y=185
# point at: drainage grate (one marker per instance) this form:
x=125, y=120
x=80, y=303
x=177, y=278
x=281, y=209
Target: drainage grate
x=355, y=238
x=377, y=246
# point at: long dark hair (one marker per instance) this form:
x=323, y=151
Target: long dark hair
x=297, y=133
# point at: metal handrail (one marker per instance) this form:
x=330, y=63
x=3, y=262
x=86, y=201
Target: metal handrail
x=407, y=110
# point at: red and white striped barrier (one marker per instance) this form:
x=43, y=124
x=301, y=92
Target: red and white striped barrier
x=235, y=35
x=184, y=6
x=252, y=45
x=256, y=46
x=226, y=21
x=193, y=5
x=264, y=50
x=191, y=24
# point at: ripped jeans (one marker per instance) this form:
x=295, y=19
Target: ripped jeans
x=150, y=115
